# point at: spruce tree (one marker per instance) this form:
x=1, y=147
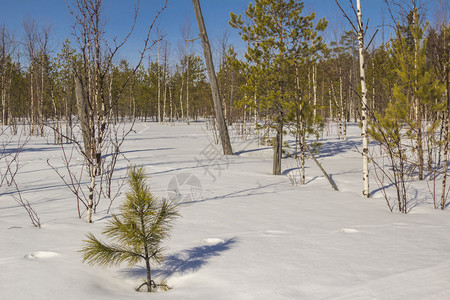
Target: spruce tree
x=138, y=231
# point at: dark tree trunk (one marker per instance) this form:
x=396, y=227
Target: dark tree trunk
x=222, y=126
x=277, y=149
x=149, y=276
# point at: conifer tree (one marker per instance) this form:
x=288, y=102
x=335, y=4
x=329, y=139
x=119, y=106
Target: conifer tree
x=388, y=131
x=414, y=79
x=138, y=231
x=278, y=37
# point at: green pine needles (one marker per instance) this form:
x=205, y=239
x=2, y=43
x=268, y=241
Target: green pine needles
x=138, y=231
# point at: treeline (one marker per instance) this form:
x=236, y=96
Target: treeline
x=43, y=92
x=37, y=84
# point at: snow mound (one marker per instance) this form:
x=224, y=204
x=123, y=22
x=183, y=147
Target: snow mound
x=213, y=241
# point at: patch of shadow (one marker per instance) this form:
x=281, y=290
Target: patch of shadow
x=287, y=171
x=189, y=260
x=252, y=150
x=248, y=192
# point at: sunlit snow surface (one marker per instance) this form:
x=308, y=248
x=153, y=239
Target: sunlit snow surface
x=243, y=234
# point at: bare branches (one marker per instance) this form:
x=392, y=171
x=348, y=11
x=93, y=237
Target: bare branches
x=9, y=167
x=101, y=140
x=346, y=16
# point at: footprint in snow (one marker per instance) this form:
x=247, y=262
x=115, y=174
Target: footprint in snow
x=349, y=230
x=41, y=254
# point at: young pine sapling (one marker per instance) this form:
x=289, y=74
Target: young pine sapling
x=138, y=231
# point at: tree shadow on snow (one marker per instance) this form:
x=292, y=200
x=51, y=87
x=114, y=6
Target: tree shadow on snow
x=251, y=150
x=185, y=261
x=258, y=190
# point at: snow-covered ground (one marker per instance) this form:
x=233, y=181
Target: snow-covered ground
x=243, y=233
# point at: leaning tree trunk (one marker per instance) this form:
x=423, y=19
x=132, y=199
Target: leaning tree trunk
x=365, y=151
x=222, y=126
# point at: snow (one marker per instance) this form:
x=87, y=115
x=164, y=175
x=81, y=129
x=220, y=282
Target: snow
x=243, y=233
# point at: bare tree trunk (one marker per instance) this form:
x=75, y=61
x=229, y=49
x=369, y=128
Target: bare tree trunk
x=342, y=117
x=41, y=100
x=181, y=96
x=446, y=139
x=222, y=126
x=322, y=169
x=315, y=91
x=187, y=82
x=3, y=75
x=277, y=148
x=365, y=150
x=32, y=99
x=299, y=134
x=331, y=107
x=158, y=119
x=10, y=119
x=373, y=87
x=86, y=128
x=171, y=103
x=230, y=111
x=165, y=85
x=417, y=105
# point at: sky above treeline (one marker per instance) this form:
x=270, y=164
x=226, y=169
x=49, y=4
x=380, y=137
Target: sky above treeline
x=179, y=15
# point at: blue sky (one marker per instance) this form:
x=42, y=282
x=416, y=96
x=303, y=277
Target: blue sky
x=216, y=14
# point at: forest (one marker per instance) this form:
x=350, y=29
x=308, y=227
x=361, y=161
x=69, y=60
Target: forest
x=288, y=151
x=289, y=81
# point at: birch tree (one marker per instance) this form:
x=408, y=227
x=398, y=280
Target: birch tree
x=362, y=74
x=93, y=106
x=365, y=151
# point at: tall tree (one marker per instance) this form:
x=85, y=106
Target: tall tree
x=362, y=74
x=220, y=118
x=93, y=106
x=278, y=36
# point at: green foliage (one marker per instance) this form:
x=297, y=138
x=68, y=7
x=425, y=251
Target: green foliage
x=388, y=129
x=138, y=231
x=280, y=40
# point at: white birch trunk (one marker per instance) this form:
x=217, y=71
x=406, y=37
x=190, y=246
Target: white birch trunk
x=417, y=104
x=159, y=90
x=181, y=96
x=364, y=135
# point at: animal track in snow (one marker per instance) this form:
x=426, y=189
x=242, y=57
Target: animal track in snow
x=41, y=254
